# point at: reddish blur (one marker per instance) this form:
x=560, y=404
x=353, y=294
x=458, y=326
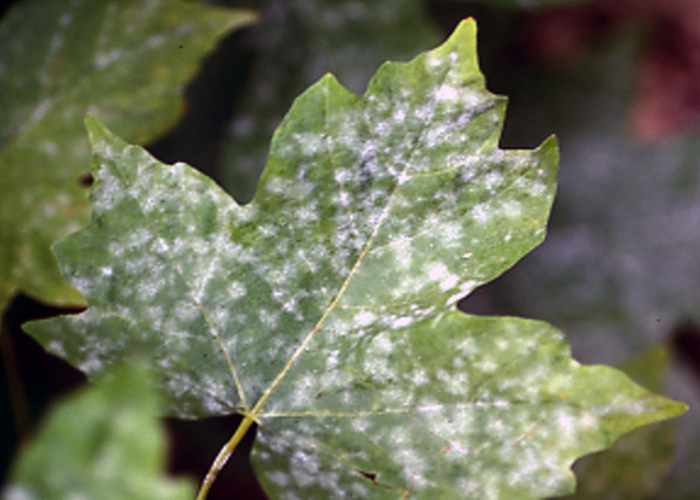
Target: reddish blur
x=667, y=95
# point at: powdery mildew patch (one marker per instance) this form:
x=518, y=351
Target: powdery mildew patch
x=324, y=309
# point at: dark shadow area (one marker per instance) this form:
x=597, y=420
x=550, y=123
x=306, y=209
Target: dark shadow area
x=194, y=444
x=684, y=340
x=489, y=300
x=211, y=100
x=4, y=5
x=31, y=379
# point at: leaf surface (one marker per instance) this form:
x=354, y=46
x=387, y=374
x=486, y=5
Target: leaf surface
x=636, y=465
x=105, y=443
x=125, y=61
x=324, y=309
x=296, y=43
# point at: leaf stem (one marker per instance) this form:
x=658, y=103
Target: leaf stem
x=223, y=456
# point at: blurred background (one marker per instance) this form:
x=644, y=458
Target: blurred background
x=617, y=81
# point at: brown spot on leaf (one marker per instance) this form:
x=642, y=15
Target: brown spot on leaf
x=86, y=179
x=369, y=475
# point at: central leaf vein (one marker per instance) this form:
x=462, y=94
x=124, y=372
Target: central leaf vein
x=400, y=179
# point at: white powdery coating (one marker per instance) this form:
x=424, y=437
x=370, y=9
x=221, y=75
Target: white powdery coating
x=503, y=422
x=358, y=238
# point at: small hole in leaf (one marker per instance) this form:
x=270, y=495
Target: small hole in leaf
x=86, y=179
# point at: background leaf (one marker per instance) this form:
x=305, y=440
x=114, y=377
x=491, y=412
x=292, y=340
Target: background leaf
x=323, y=310
x=125, y=61
x=103, y=443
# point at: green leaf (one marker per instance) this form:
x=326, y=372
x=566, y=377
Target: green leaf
x=105, y=443
x=125, y=61
x=635, y=466
x=615, y=272
x=324, y=309
x=299, y=41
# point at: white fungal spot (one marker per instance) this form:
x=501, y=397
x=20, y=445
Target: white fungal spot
x=447, y=93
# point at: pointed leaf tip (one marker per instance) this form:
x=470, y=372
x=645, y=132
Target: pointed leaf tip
x=95, y=129
x=102, y=140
